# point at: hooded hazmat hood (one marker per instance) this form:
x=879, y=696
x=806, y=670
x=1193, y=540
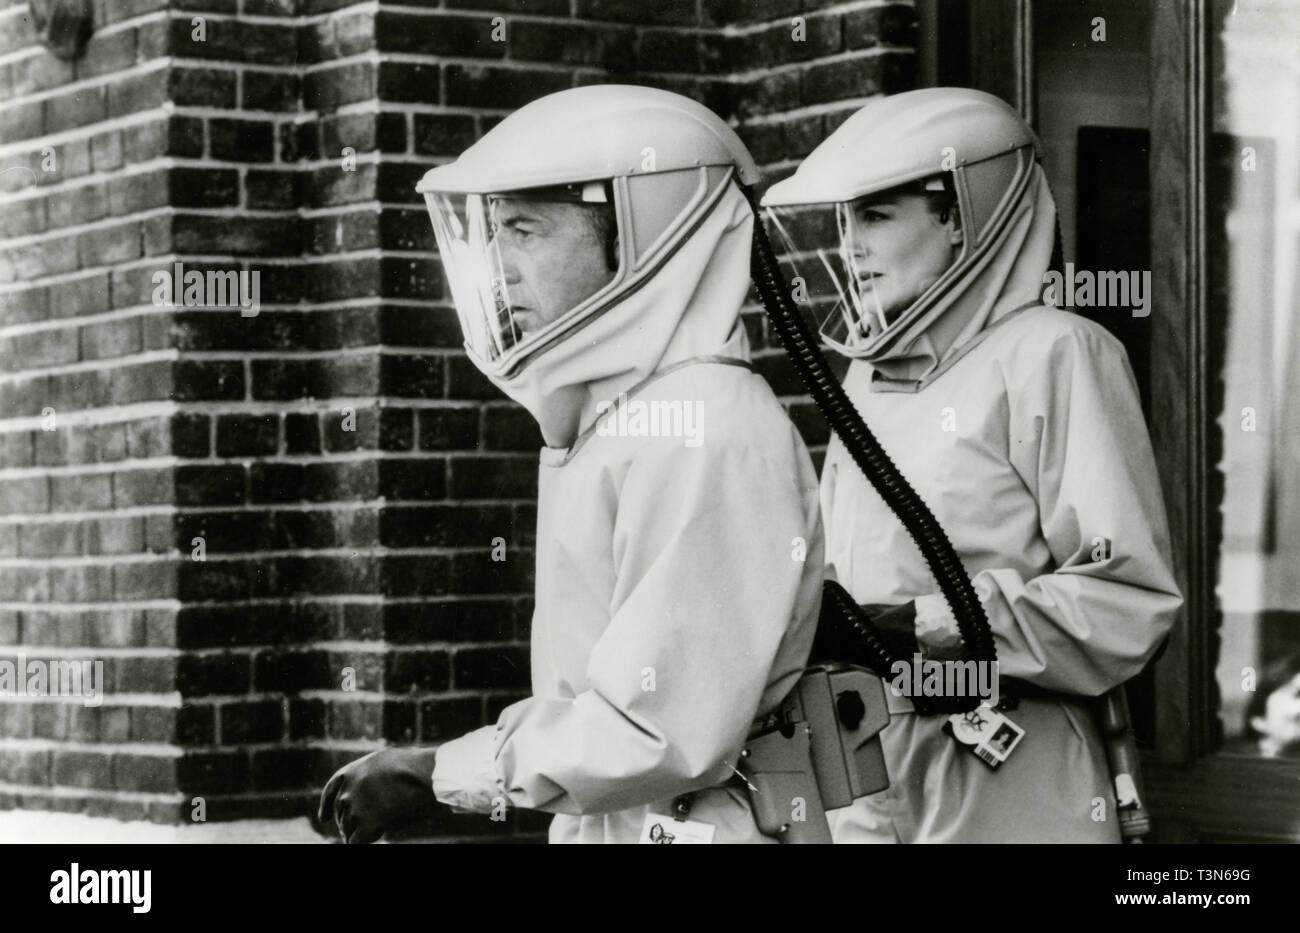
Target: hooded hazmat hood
x=1007, y=213
x=684, y=229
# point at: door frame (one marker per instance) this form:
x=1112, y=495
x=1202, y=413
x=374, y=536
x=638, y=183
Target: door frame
x=1197, y=793
x=1194, y=792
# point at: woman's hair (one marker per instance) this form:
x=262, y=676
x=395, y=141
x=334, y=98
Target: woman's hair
x=942, y=204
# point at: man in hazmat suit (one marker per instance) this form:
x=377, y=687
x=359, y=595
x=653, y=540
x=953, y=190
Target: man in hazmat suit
x=596, y=244
x=1018, y=424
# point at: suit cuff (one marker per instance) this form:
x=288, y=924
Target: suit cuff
x=464, y=771
x=937, y=633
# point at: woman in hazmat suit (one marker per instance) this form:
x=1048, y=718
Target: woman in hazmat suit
x=596, y=244
x=1017, y=423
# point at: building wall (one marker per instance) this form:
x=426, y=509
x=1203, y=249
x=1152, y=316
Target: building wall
x=1082, y=82
x=276, y=531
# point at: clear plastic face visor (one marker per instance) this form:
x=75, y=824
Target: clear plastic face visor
x=511, y=278
x=474, y=272
x=824, y=264
x=835, y=275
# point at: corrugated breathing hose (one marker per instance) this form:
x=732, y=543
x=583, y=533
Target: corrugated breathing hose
x=879, y=469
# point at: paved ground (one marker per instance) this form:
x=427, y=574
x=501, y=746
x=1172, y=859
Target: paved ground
x=26, y=826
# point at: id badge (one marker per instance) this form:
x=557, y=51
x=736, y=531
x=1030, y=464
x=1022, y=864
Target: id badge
x=987, y=733
x=666, y=831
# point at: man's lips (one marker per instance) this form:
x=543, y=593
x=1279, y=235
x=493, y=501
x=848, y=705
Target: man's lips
x=525, y=319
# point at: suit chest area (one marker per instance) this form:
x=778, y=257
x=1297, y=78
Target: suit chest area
x=577, y=509
x=955, y=444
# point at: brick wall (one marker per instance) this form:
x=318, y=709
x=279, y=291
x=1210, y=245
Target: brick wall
x=787, y=94
x=276, y=530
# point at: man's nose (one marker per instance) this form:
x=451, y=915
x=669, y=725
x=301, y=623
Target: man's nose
x=505, y=261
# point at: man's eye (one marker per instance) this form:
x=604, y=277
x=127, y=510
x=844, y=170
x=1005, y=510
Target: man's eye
x=513, y=231
x=511, y=228
x=871, y=217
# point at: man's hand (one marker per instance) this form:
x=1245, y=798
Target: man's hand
x=381, y=792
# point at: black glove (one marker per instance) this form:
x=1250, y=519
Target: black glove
x=381, y=792
x=896, y=627
x=838, y=640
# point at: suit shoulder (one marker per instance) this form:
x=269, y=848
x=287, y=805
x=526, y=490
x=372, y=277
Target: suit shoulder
x=737, y=398
x=723, y=410
x=1045, y=333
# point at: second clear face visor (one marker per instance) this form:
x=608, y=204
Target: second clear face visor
x=490, y=251
x=825, y=266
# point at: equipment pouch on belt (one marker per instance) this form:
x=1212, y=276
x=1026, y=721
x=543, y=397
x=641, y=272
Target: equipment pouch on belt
x=819, y=751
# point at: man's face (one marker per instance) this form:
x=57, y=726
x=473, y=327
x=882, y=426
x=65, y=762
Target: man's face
x=551, y=258
x=898, y=249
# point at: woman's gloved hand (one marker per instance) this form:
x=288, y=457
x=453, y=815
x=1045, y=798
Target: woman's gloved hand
x=381, y=792
x=896, y=627
x=838, y=640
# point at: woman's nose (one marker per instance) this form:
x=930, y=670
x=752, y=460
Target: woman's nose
x=857, y=247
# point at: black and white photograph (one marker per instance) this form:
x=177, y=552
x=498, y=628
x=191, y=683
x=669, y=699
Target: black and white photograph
x=524, y=422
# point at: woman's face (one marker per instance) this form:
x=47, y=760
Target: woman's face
x=898, y=249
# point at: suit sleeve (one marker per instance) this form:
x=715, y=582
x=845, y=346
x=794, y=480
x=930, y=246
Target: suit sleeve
x=1079, y=442
x=704, y=612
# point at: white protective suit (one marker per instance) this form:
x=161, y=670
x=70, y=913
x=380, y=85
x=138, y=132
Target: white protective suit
x=674, y=602
x=1020, y=427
